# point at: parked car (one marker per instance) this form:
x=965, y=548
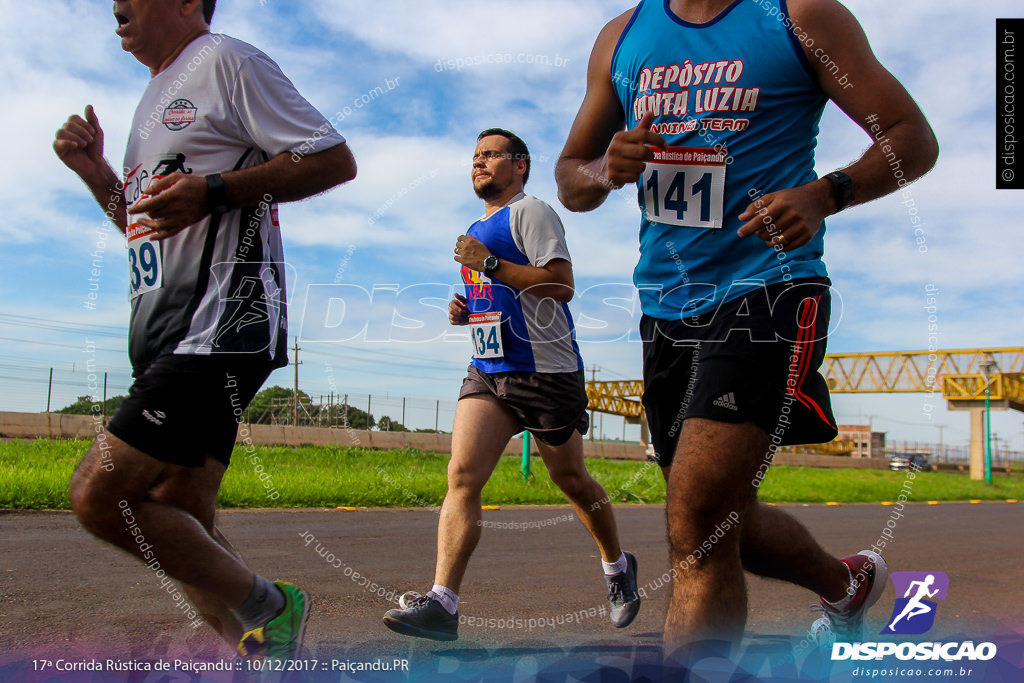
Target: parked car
x=905, y=462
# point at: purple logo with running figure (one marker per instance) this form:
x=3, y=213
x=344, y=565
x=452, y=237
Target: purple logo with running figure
x=914, y=612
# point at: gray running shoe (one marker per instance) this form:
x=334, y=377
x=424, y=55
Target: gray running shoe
x=423, y=617
x=622, y=594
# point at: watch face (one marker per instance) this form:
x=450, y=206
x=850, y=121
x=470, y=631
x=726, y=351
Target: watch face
x=842, y=189
x=490, y=264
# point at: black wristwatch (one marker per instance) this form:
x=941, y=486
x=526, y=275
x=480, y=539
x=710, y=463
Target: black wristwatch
x=216, y=195
x=491, y=264
x=842, y=189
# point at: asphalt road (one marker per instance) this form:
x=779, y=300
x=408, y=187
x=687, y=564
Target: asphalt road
x=63, y=592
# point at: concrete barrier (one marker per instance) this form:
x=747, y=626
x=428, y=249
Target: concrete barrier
x=58, y=426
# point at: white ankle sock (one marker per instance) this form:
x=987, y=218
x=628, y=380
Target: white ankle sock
x=265, y=602
x=448, y=599
x=617, y=567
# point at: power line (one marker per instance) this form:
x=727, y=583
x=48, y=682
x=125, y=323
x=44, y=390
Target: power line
x=386, y=354
x=77, y=347
x=52, y=320
x=61, y=326
x=616, y=375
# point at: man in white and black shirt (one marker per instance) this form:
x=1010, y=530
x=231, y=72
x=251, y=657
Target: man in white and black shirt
x=219, y=138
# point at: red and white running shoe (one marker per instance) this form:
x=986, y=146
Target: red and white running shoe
x=847, y=625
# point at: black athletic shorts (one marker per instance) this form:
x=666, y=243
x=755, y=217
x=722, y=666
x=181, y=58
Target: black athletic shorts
x=755, y=359
x=550, y=405
x=182, y=408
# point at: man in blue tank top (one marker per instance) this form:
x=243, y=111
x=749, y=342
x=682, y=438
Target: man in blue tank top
x=711, y=107
x=526, y=373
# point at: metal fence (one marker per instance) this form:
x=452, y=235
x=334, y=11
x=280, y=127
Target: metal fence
x=339, y=410
x=39, y=386
x=954, y=455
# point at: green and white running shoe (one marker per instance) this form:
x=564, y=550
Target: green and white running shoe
x=281, y=638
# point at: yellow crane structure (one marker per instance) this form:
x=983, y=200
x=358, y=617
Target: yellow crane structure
x=961, y=377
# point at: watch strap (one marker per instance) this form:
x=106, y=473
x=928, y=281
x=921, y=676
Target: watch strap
x=842, y=189
x=216, y=194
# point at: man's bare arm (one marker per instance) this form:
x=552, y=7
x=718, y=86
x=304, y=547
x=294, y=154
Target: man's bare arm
x=181, y=199
x=599, y=156
x=79, y=144
x=553, y=280
x=873, y=99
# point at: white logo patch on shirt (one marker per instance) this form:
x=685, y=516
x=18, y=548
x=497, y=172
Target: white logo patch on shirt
x=179, y=114
x=727, y=401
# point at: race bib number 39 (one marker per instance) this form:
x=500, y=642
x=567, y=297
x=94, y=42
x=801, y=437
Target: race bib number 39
x=685, y=186
x=145, y=268
x=485, y=332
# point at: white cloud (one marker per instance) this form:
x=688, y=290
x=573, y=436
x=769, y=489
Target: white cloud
x=466, y=30
x=336, y=51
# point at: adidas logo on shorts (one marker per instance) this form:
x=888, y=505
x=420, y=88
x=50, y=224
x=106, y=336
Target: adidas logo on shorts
x=726, y=401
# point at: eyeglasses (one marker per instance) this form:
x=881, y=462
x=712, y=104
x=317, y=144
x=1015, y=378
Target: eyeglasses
x=490, y=156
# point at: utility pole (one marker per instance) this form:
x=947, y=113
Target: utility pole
x=593, y=370
x=295, y=394
x=871, y=451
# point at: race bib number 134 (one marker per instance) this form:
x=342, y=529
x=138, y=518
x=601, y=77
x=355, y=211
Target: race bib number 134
x=145, y=267
x=485, y=332
x=685, y=186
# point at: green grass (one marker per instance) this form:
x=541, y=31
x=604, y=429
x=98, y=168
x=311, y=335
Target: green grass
x=34, y=475
x=818, y=485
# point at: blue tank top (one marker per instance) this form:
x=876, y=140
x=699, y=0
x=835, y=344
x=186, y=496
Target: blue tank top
x=738, y=103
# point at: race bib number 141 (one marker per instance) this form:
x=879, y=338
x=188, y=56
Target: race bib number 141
x=685, y=186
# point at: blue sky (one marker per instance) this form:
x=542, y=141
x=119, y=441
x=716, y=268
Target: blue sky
x=445, y=71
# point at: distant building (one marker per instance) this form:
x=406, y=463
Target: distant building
x=866, y=443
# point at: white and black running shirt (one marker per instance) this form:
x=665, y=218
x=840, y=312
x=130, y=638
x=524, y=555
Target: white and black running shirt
x=217, y=286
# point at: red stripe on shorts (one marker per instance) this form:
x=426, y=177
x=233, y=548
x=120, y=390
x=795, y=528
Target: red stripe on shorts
x=805, y=337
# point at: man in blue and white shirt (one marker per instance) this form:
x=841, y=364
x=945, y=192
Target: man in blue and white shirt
x=526, y=373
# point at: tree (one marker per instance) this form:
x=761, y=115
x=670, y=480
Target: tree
x=274, y=404
x=83, y=405
x=356, y=419
x=386, y=424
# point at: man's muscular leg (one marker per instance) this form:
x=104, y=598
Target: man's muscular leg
x=711, y=479
x=588, y=498
x=777, y=546
x=481, y=430
x=182, y=545
x=713, y=475
x=194, y=489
